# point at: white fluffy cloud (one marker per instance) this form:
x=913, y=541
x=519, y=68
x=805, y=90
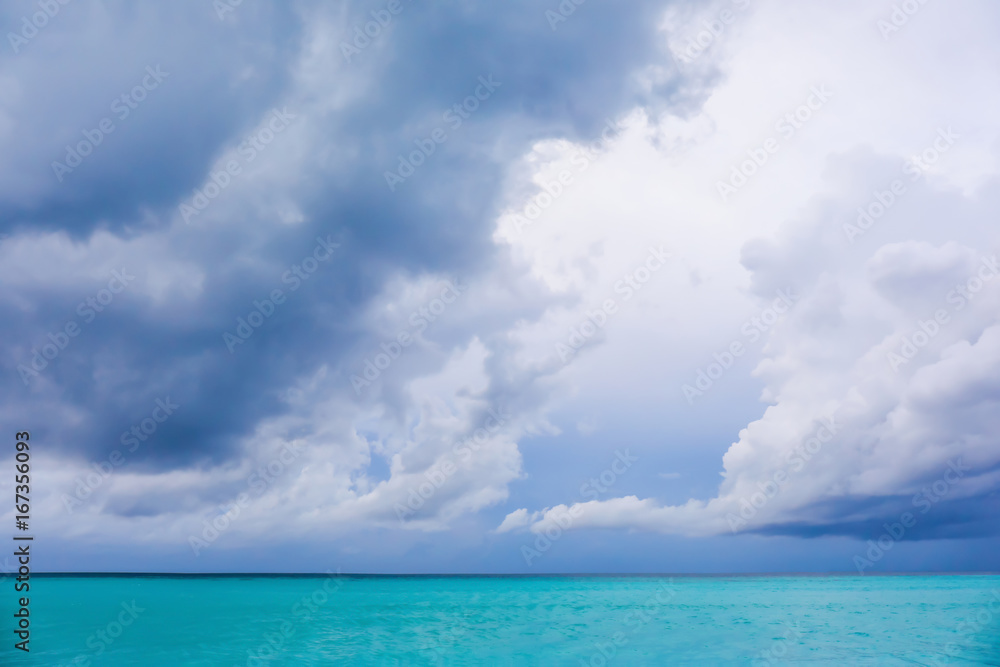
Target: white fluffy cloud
x=882, y=378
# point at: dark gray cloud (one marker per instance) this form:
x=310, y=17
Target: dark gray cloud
x=224, y=77
x=211, y=82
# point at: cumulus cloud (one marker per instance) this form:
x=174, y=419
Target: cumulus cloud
x=879, y=382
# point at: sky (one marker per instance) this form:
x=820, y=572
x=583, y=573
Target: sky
x=521, y=287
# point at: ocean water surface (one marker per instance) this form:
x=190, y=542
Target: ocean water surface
x=559, y=620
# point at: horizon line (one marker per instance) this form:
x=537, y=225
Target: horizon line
x=835, y=573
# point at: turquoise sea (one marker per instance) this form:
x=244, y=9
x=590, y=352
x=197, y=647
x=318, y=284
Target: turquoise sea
x=560, y=620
